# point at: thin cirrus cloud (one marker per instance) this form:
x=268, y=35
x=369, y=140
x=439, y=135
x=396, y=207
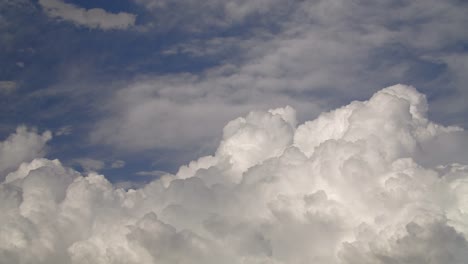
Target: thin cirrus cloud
x=96, y=18
x=343, y=188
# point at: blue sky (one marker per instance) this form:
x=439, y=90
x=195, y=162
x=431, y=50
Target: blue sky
x=150, y=84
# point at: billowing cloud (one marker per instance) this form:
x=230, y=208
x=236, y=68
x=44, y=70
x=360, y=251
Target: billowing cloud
x=92, y=18
x=22, y=146
x=343, y=188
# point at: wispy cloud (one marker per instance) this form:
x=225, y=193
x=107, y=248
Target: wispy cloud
x=7, y=87
x=117, y=164
x=323, y=54
x=89, y=165
x=97, y=18
x=64, y=131
x=153, y=173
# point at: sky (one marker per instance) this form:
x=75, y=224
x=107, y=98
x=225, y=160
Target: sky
x=171, y=114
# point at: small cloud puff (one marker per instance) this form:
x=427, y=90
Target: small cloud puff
x=343, y=188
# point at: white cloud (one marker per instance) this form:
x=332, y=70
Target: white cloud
x=343, y=188
x=22, y=146
x=96, y=18
x=183, y=110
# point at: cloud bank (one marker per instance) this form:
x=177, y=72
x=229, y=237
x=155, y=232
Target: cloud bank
x=343, y=188
x=325, y=52
x=96, y=18
x=7, y=87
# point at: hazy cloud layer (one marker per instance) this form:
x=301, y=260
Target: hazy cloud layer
x=182, y=110
x=7, y=87
x=198, y=16
x=345, y=187
x=97, y=18
x=325, y=52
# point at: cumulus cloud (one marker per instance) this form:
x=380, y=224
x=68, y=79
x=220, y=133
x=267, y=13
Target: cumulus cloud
x=345, y=187
x=96, y=18
x=22, y=146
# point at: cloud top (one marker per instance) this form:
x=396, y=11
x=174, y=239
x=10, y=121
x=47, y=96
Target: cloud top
x=343, y=188
x=22, y=146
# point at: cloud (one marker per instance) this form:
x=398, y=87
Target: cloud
x=117, y=164
x=95, y=18
x=95, y=165
x=154, y=173
x=64, y=131
x=323, y=52
x=196, y=16
x=88, y=164
x=22, y=146
x=345, y=187
x=179, y=109
x=7, y=87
